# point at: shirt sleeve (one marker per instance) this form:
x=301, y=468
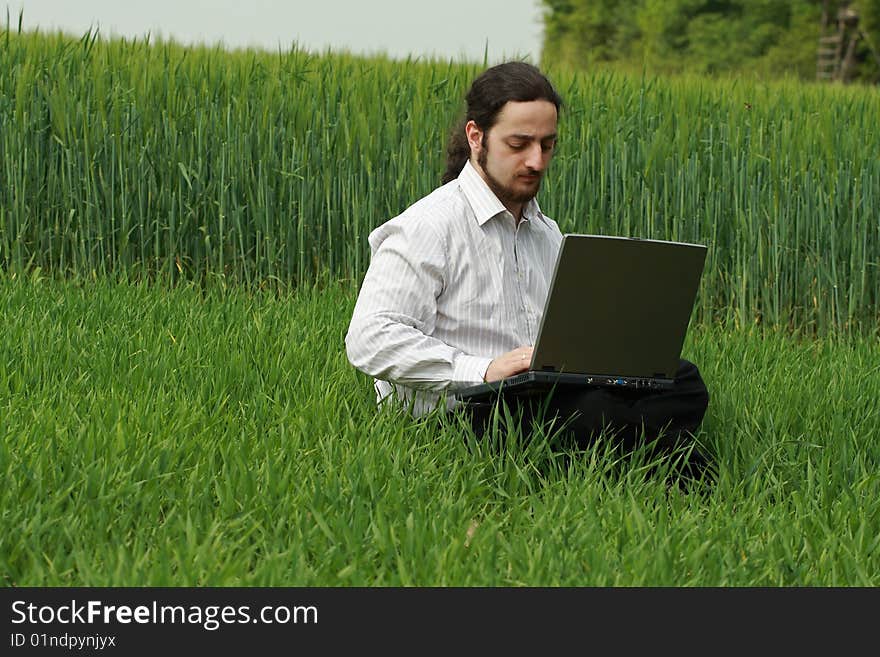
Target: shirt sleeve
x=389, y=337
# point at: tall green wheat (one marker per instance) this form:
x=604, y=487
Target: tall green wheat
x=156, y=159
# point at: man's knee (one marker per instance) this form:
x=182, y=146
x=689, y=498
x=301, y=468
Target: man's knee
x=689, y=382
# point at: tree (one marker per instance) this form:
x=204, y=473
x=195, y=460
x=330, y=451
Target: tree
x=581, y=33
x=709, y=36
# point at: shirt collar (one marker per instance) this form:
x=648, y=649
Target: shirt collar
x=483, y=201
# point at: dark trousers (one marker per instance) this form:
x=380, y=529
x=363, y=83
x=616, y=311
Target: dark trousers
x=665, y=419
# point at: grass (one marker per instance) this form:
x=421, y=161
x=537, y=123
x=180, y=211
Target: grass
x=206, y=429
x=211, y=436
x=149, y=158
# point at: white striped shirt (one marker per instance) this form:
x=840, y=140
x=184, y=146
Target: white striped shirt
x=453, y=282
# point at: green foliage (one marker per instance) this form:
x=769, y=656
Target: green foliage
x=794, y=52
x=188, y=162
x=869, y=48
x=719, y=43
x=703, y=36
x=180, y=436
x=156, y=161
x=207, y=433
x=592, y=33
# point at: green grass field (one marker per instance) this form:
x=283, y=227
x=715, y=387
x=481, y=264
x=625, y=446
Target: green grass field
x=153, y=159
x=182, y=231
x=176, y=436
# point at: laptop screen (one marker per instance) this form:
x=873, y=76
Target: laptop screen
x=618, y=306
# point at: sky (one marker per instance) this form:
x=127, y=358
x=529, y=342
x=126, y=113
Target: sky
x=447, y=29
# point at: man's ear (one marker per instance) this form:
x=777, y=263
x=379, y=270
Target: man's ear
x=474, y=137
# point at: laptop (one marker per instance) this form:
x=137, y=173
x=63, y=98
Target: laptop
x=616, y=315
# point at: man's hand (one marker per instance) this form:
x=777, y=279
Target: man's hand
x=513, y=362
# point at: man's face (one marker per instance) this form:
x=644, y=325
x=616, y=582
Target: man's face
x=513, y=154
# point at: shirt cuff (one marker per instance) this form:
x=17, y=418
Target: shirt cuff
x=469, y=370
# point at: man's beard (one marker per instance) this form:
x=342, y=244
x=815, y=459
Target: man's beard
x=505, y=194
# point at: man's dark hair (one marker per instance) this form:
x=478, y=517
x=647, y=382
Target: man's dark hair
x=511, y=81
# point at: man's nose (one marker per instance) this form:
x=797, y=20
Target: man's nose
x=535, y=157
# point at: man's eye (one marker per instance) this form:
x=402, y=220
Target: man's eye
x=517, y=145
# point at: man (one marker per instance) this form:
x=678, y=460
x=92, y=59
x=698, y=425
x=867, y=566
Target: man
x=456, y=285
